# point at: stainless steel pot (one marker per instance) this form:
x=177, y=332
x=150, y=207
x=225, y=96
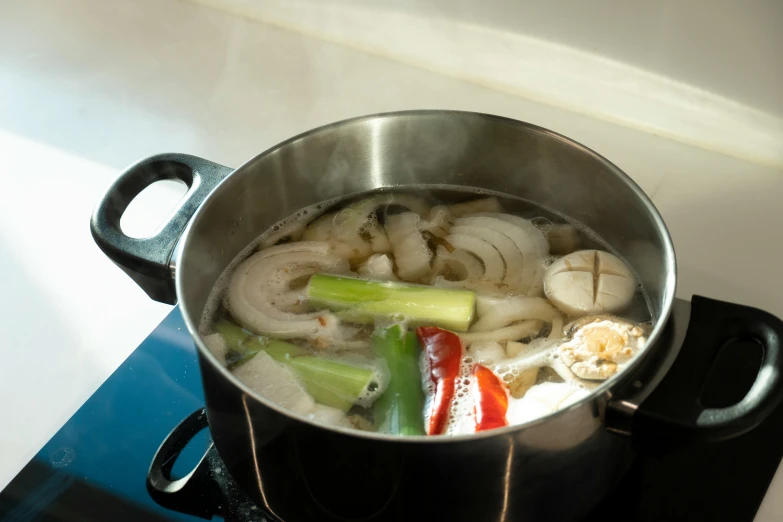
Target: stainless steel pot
x=555, y=468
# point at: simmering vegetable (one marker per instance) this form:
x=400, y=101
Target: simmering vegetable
x=361, y=301
x=411, y=315
x=399, y=410
x=491, y=399
x=444, y=355
x=328, y=382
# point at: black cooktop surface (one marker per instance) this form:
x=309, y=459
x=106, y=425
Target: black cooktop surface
x=95, y=467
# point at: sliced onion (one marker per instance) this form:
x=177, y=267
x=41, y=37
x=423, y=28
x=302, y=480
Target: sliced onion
x=347, y=229
x=285, y=298
x=483, y=287
x=557, y=328
x=529, y=240
x=509, y=333
x=351, y=220
x=512, y=257
x=411, y=253
x=350, y=247
x=319, y=229
x=251, y=291
x=535, y=234
x=496, y=312
x=439, y=221
x=464, y=265
x=379, y=241
x=530, y=258
x=494, y=267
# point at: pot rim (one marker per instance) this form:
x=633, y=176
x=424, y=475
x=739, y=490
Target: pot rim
x=669, y=286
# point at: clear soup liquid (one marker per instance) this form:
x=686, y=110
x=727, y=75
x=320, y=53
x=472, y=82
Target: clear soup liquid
x=342, y=313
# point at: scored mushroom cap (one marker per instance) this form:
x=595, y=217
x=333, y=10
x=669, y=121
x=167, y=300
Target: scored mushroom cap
x=589, y=282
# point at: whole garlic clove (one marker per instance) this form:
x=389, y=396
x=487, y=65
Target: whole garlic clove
x=589, y=282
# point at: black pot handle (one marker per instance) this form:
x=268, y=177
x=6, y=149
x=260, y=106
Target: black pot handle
x=147, y=260
x=196, y=493
x=673, y=413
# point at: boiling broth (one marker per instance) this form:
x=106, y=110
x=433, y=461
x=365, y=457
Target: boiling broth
x=292, y=368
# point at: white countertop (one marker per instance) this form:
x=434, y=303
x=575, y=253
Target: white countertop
x=87, y=87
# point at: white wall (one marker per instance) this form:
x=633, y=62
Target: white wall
x=733, y=48
x=702, y=72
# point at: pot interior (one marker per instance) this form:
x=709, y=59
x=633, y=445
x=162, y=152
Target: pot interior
x=429, y=148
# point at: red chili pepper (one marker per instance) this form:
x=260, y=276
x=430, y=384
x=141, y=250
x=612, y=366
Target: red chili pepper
x=444, y=351
x=491, y=401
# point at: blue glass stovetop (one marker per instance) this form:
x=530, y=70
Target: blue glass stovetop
x=95, y=467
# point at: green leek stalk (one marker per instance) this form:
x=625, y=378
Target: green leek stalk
x=360, y=300
x=243, y=345
x=328, y=382
x=333, y=383
x=400, y=410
